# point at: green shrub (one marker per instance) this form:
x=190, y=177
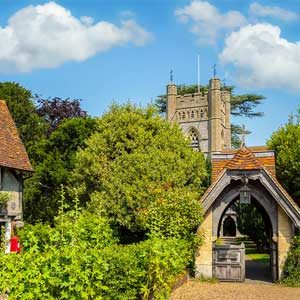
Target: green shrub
x=176, y=213
x=165, y=260
x=69, y=262
x=291, y=271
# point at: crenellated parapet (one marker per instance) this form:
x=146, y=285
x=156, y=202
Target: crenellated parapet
x=205, y=115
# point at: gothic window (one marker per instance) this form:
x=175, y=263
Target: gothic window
x=194, y=138
x=192, y=114
x=201, y=114
x=183, y=115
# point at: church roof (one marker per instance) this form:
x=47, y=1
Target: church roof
x=12, y=151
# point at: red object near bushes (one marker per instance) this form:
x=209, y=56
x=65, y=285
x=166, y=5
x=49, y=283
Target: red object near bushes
x=15, y=244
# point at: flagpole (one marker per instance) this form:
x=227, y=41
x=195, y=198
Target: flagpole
x=198, y=73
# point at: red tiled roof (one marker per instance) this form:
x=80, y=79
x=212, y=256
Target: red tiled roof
x=243, y=160
x=12, y=151
x=246, y=158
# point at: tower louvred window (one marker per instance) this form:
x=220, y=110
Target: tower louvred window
x=194, y=138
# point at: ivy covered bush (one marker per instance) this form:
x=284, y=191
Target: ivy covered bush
x=291, y=272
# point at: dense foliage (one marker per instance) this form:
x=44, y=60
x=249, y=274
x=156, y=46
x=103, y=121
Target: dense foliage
x=139, y=181
x=51, y=130
x=53, y=160
x=291, y=271
x=137, y=177
x=286, y=143
x=79, y=258
x=55, y=110
x=137, y=162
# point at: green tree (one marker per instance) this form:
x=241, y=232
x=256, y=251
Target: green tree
x=286, y=143
x=20, y=103
x=55, y=110
x=53, y=161
x=251, y=223
x=243, y=105
x=135, y=162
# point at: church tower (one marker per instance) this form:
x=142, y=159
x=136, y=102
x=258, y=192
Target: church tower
x=204, y=117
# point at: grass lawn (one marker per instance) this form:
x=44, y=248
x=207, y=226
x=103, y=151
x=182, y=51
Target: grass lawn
x=261, y=257
x=252, y=254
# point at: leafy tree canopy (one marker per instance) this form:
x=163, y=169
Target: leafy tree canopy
x=55, y=110
x=286, y=143
x=136, y=162
x=54, y=160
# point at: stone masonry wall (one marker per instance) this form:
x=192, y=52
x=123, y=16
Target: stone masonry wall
x=285, y=236
x=204, y=256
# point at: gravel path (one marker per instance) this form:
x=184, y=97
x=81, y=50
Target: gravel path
x=194, y=290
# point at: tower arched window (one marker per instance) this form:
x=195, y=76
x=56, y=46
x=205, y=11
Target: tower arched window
x=194, y=139
x=183, y=115
x=192, y=114
x=201, y=114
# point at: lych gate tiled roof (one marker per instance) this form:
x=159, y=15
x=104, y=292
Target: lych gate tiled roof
x=243, y=160
x=12, y=151
x=260, y=159
x=246, y=158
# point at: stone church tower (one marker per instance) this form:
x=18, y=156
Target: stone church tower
x=204, y=117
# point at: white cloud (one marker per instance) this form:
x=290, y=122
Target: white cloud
x=262, y=58
x=259, y=10
x=46, y=36
x=207, y=22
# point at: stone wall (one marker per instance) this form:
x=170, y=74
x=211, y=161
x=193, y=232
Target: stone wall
x=285, y=236
x=204, y=256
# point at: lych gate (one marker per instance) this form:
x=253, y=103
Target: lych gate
x=237, y=174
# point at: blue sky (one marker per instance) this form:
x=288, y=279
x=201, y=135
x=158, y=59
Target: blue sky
x=102, y=51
